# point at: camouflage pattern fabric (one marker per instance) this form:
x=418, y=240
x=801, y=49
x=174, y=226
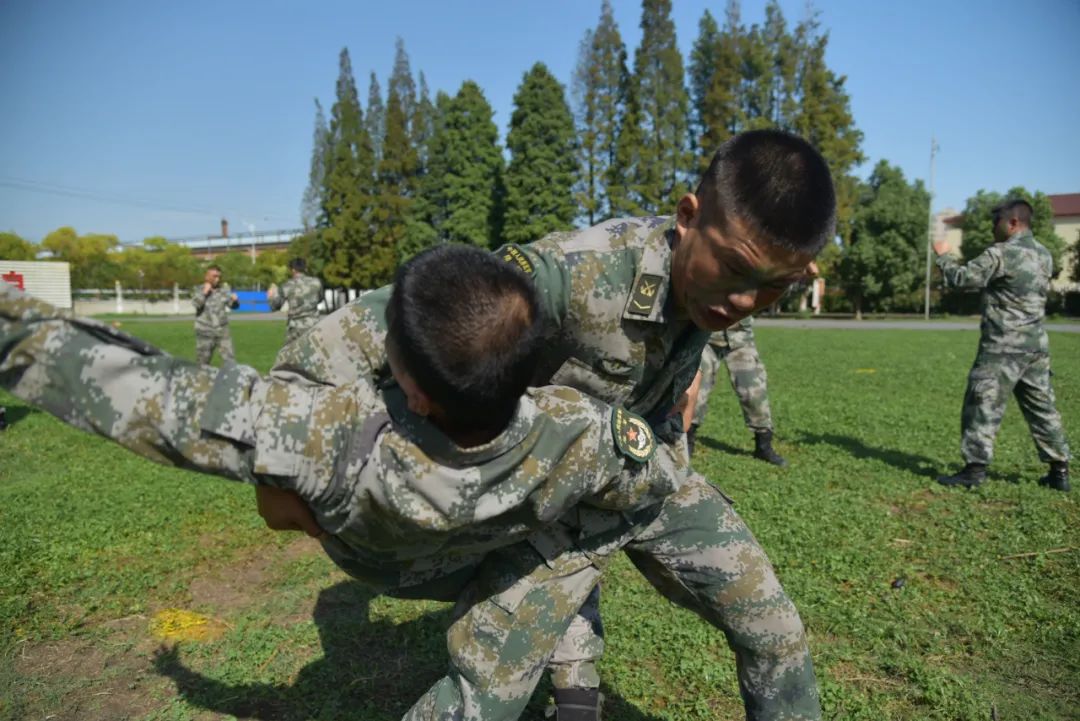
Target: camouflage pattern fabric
x=993, y=377
x=303, y=294
x=212, y=309
x=1014, y=276
x=212, y=322
x=399, y=514
x=736, y=348
x=207, y=343
x=612, y=335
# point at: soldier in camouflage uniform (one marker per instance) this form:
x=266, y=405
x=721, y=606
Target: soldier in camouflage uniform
x=630, y=305
x=213, y=300
x=517, y=527
x=303, y=294
x=735, y=347
x=1014, y=352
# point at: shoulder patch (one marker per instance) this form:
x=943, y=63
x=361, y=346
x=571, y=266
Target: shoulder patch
x=514, y=255
x=644, y=296
x=633, y=436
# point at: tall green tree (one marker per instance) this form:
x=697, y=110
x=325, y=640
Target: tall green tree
x=162, y=264
x=716, y=82
x=13, y=247
x=543, y=167
x=311, y=205
x=883, y=264
x=460, y=196
x=344, y=248
x=977, y=227
x=422, y=124
x=1074, y=250
x=396, y=181
x=622, y=181
x=375, y=123
x=661, y=175
x=401, y=83
x=601, y=82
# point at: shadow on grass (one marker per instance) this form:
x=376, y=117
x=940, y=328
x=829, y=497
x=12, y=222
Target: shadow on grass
x=716, y=445
x=14, y=414
x=369, y=669
x=911, y=462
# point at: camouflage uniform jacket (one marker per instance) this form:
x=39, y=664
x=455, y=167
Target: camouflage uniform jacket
x=606, y=292
x=404, y=503
x=1015, y=277
x=212, y=309
x=737, y=336
x=303, y=293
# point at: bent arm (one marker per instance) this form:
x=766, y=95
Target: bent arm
x=198, y=299
x=973, y=276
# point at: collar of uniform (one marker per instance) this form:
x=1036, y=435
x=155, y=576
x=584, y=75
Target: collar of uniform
x=1020, y=234
x=655, y=262
x=440, y=448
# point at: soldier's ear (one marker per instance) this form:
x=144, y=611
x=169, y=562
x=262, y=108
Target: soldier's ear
x=687, y=209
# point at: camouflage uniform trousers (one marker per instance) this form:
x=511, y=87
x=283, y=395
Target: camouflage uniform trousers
x=296, y=327
x=748, y=379
x=205, y=343
x=992, y=378
x=695, y=550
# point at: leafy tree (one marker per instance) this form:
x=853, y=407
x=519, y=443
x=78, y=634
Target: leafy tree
x=623, y=187
x=664, y=106
x=1075, y=250
x=12, y=247
x=422, y=125
x=460, y=195
x=162, y=264
x=884, y=262
x=91, y=263
x=716, y=82
x=601, y=82
x=543, y=167
x=271, y=266
x=237, y=269
x=311, y=205
x=977, y=226
x=344, y=247
x=401, y=83
x=396, y=184
x=375, y=122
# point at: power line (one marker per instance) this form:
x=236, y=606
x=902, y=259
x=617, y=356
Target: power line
x=36, y=186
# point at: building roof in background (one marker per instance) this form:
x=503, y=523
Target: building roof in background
x=1063, y=204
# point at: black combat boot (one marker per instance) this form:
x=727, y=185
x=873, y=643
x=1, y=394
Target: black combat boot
x=1058, y=477
x=764, y=451
x=577, y=704
x=3, y=418
x=971, y=475
x=691, y=438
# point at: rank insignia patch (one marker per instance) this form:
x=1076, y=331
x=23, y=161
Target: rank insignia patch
x=632, y=435
x=644, y=296
x=514, y=255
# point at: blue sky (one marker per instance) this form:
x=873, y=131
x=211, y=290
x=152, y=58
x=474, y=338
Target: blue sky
x=143, y=117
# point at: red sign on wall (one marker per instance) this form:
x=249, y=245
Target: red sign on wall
x=16, y=279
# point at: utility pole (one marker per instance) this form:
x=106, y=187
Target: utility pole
x=930, y=226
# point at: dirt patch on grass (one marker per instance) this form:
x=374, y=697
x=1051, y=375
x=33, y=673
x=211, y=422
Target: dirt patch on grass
x=238, y=583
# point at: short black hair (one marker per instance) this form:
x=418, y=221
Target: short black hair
x=298, y=264
x=214, y=266
x=467, y=327
x=1013, y=208
x=775, y=182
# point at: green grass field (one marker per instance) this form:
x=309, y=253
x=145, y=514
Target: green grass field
x=104, y=559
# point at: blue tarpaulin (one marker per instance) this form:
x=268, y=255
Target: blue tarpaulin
x=252, y=301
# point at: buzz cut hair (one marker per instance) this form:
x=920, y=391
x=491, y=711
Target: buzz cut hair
x=777, y=184
x=214, y=266
x=467, y=327
x=1014, y=208
x=298, y=264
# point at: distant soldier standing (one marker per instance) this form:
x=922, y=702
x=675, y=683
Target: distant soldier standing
x=1014, y=354
x=303, y=293
x=212, y=301
x=735, y=347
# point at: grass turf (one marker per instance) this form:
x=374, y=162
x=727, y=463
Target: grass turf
x=921, y=602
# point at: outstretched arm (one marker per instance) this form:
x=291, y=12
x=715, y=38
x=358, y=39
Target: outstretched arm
x=973, y=276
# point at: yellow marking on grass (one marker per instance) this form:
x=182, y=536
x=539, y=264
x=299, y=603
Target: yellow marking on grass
x=866, y=370
x=176, y=624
